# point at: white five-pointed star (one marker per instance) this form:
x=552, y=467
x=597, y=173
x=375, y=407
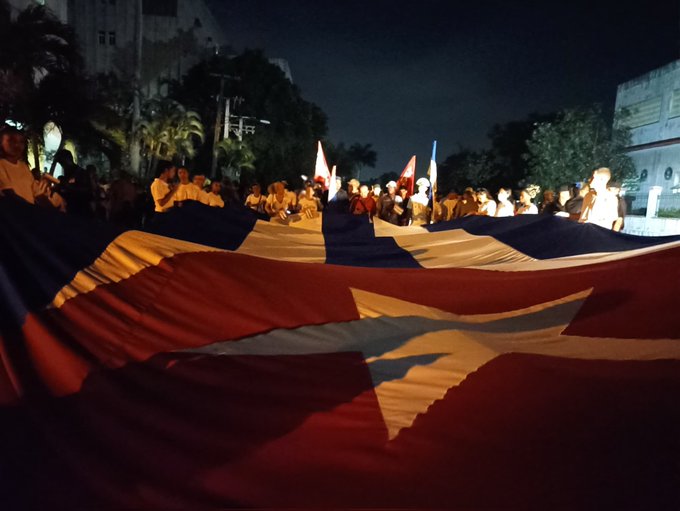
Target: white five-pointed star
x=417, y=353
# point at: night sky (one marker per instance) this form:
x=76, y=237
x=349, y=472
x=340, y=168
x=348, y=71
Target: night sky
x=399, y=74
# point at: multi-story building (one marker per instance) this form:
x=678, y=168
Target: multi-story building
x=176, y=35
x=650, y=106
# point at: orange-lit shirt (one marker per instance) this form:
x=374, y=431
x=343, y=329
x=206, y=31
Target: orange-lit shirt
x=18, y=178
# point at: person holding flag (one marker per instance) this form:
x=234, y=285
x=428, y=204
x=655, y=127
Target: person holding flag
x=408, y=176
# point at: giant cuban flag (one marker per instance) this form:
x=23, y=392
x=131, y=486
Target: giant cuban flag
x=219, y=361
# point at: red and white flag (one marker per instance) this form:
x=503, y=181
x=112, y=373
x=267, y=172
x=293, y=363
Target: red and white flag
x=321, y=172
x=408, y=176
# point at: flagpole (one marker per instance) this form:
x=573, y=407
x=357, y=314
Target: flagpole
x=432, y=173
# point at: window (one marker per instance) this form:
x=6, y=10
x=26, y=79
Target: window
x=668, y=174
x=675, y=104
x=643, y=175
x=112, y=38
x=102, y=37
x=643, y=113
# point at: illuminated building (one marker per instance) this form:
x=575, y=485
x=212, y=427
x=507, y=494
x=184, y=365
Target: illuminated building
x=650, y=106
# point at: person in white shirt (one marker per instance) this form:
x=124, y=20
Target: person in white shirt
x=162, y=192
x=199, y=182
x=15, y=175
x=309, y=203
x=505, y=207
x=186, y=190
x=256, y=200
x=486, y=205
x=279, y=202
x=419, y=203
x=214, y=197
x=526, y=207
x=600, y=206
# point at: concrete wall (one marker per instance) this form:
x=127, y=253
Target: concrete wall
x=655, y=161
x=642, y=226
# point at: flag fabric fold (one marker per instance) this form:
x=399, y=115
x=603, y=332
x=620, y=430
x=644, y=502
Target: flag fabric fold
x=215, y=360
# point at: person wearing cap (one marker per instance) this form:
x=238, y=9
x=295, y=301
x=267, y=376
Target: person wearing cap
x=386, y=204
x=615, y=188
x=485, y=204
x=419, y=203
x=353, y=188
x=15, y=175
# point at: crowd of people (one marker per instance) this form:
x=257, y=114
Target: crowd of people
x=123, y=201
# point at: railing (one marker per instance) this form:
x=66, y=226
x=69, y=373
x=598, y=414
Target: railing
x=669, y=206
x=636, y=203
x=666, y=205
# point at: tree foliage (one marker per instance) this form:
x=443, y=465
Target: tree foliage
x=285, y=148
x=39, y=57
x=351, y=160
x=169, y=131
x=577, y=142
x=503, y=164
x=234, y=157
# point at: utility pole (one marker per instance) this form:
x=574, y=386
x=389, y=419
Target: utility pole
x=218, y=123
x=137, y=92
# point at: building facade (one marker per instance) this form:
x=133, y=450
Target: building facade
x=650, y=106
x=176, y=35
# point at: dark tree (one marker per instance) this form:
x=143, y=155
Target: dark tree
x=283, y=149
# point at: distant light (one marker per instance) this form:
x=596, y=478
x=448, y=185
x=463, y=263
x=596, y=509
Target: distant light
x=304, y=178
x=264, y=121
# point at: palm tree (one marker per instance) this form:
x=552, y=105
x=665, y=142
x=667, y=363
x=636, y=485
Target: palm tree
x=234, y=156
x=362, y=155
x=35, y=46
x=168, y=130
